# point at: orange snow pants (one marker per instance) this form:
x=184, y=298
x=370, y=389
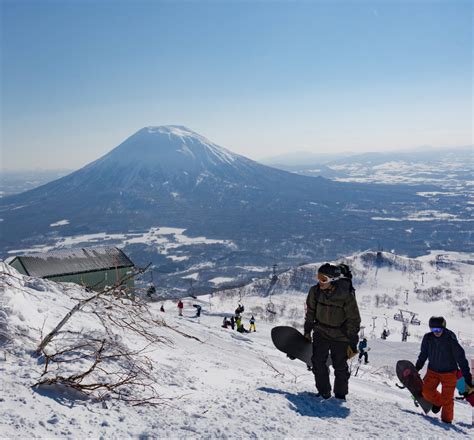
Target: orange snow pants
x=445, y=399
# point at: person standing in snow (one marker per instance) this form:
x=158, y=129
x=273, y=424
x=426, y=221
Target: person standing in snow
x=444, y=353
x=198, y=310
x=162, y=308
x=180, y=307
x=232, y=322
x=363, y=351
x=252, y=324
x=332, y=313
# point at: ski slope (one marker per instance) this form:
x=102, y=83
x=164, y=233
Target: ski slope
x=226, y=385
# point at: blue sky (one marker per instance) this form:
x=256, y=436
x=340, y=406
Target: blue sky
x=258, y=77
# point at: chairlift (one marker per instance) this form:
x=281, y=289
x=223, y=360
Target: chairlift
x=398, y=316
x=240, y=309
x=271, y=308
x=151, y=286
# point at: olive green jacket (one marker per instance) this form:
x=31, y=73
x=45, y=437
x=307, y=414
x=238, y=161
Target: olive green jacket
x=333, y=314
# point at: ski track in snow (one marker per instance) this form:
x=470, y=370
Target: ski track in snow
x=220, y=388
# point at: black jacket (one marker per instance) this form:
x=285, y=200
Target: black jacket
x=444, y=354
x=333, y=314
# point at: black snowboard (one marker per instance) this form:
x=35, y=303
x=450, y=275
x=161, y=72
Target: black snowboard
x=293, y=343
x=412, y=381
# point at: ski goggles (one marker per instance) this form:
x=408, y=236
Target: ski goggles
x=436, y=329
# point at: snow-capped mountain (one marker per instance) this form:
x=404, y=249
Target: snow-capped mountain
x=171, y=177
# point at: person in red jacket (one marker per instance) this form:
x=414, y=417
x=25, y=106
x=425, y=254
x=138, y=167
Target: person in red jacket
x=444, y=353
x=180, y=307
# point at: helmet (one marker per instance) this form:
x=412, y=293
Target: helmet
x=437, y=322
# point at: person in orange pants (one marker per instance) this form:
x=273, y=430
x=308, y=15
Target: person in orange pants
x=445, y=355
x=445, y=399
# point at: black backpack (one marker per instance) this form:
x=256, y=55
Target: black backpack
x=346, y=273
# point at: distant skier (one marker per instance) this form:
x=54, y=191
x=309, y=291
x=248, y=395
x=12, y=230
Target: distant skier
x=384, y=334
x=232, y=322
x=444, y=353
x=332, y=312
x=162, y=309
x=252, y=324
x=225, y=322
x=238, y=321
x=363, y=351
x=198, y=310
x=180, y=307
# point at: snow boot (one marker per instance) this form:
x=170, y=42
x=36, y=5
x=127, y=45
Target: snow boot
x=325, y=396
x=435, y=409
x=340, y=396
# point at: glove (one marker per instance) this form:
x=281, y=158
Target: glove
x=308, y=327
x=308, y=336
x=418, y=367
x=290, y=357
x=351, y=351
x=352, y=348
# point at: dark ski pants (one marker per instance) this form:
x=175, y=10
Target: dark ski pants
x=322, y=348
x=365, y=354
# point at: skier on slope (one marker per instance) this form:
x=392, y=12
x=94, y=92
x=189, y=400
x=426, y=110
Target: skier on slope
x=252, y=324
x=444, y=353
x=363, y=351
x=198, y=310
x=180, y=307
x=332, y=312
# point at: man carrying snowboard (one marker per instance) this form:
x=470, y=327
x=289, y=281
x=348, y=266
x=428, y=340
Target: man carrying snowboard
x=441, y=347
x=332, y=312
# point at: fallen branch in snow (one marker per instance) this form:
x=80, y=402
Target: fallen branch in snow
x=46, y=340
x=109, y=371
x=97, y=361
x=164, y=324
x=267, y=362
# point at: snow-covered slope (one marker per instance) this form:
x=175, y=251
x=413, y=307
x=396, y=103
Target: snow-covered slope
x=439, y=283
x=221, y=385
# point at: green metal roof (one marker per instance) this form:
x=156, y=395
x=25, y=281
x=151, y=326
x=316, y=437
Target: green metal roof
x=73, y=261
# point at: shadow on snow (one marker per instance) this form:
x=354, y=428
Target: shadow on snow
x=438, y=423
x=63, y=395
x=308, y=404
